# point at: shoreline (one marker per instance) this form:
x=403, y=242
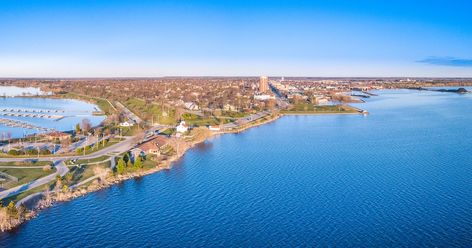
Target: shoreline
x=53, y=197
x=96, y=183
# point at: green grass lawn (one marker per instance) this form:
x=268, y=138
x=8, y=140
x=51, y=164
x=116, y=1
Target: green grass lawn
x=18, y=197
x=24, y=175
x=169, y=131
x=30, y=163
x=86, y=161
x=111, y=142
x=310, y=108
x=150, y=111
x=234, y=114
x=84, y=171
x=130, y=131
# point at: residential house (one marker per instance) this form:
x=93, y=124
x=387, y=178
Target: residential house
x=126, y=124
x=182, y=127
x=153, y=146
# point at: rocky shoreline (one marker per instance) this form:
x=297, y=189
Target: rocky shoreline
x=48, y=199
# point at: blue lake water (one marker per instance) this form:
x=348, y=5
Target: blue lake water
x=401, y=176
x=74, y=112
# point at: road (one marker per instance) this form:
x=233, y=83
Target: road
x=121, y=147
x=128, y=113
x=244, y=120
x=61, y=169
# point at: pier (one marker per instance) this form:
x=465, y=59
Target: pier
x=22, y=124
x=25, y=110
x=32, y=113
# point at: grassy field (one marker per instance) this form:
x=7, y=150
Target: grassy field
x=306, y=108
x=111, y=142
x=18, y=197
x=195, y=120
x=30, y=163
x=86, y=161
x=130, y=131
x=169, y=131
x=24, y=175
x=151, y=111
x=80, y=173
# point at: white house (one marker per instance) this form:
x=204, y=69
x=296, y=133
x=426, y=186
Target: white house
x=263, y=97
x=182, y=127
x=126, y=124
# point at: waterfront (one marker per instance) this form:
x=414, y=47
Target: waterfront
x=400, y=176
x=69, y=113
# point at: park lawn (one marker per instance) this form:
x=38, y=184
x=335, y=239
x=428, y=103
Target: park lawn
x=194, y=120
x=111, y=142
x=86, y=161
x=328, y=109
x=130, y=131
x=84, y=171
x=16, y=198
x=149, y=111
x=202, y=121
x=234, y=114
x=150, y=163
x=168, y=131
x=24, y=175
x=27, y=163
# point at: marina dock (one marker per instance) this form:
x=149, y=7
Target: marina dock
x=22, y=124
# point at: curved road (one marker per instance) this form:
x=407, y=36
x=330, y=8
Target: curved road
x=61, y=169
x=121, y=147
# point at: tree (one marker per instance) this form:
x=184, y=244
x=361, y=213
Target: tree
x=126, y=157
x=138, y=163
x=120, y=167
x=79, y=150
x=69, y=177
x=58, y=182
x=77, y=128
x=86, y=125
x=11, y=210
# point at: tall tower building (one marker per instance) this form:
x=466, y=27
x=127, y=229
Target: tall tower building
x=263, y=84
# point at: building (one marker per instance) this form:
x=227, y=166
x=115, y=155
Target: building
x=57, y=136
x=152, y=146
x=126, y=124
x=263, y=97
x=182, y=127
x=263, y=84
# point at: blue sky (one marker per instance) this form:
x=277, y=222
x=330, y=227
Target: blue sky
x=235, y=38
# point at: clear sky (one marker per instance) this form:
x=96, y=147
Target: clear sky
x=96, y=38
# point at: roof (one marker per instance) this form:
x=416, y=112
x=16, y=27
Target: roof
x=155, y=143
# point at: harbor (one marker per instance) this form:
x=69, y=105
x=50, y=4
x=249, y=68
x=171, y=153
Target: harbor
x=22, y=124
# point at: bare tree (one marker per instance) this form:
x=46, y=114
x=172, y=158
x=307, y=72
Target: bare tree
x=86, y=125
